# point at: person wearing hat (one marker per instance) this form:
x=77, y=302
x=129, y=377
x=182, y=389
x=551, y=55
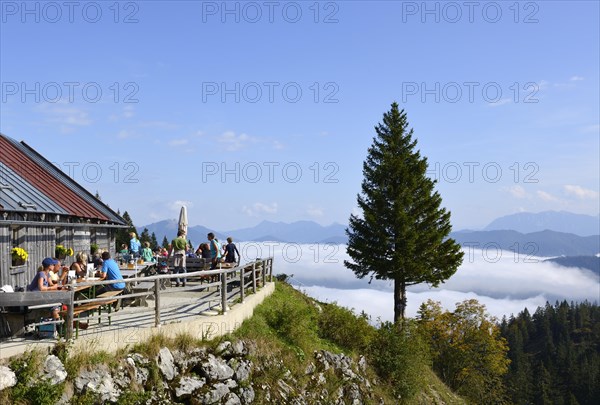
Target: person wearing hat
x=41, y=282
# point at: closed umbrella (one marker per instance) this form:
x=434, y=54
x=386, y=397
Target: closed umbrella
x=183, y=220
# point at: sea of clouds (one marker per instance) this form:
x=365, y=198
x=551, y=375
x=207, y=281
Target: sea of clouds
x=504, y=281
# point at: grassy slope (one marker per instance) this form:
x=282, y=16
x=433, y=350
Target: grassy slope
x=287, y=330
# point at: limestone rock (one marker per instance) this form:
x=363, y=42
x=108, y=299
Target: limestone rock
x=241, y=369
x=218, y=392
x=247, y=395
x=187, y=386
x=54, y=370
x=98, y=381
x=232, y=399
x=216, y=369
x=166, y=363
x=7, y=378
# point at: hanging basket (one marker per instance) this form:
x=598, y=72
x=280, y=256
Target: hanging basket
x=17, y=261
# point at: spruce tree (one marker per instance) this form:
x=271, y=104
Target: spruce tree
x=403, y=232
x=165, y=242
x=153, y=241
x=145, y=236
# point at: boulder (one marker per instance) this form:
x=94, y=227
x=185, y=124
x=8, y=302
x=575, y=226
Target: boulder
x=166, y=364
x=54, y=370
x=216, y=369
x=7, y=378
x=98, y=381
x=187, y=386
x=218, y=392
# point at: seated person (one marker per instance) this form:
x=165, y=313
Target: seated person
x=80, y=265
x=41, y=282
x=205, y=251
x=147, y=255
x=60, y=273
x=110, y=271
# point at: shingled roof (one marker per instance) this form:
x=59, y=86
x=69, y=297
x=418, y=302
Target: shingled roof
x=31, y=183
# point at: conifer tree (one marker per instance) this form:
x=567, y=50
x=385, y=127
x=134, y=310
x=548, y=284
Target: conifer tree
x=403, y=232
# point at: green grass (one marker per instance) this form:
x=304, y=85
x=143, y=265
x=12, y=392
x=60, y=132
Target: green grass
x=285, y=331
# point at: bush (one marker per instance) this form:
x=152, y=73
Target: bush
x=346, y=329
x=399, y=357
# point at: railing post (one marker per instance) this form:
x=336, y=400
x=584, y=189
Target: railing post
x=157, y=302
x=70, y=316
x=262, y=274
x=254, y=277
x=242, y=282
x=223, y=292
x=271, y=270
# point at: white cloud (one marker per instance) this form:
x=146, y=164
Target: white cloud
x=542, y=85
x=123, y=134
x=506, y=282
x=232, y=142
x=67, y=116
x=546, y=196
x=177, y=204
x=259, y=208
x=576, y=78
x=315, y=211
x=127, y=113
x=580, y=192
x=517, y=191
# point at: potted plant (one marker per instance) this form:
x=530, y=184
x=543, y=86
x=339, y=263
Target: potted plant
x=60, y=252
x=19, y=256
x=93, y=249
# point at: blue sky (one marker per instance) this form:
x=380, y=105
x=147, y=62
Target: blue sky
x=247, y=111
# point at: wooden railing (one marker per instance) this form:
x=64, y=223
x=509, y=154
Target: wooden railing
x=248, y=276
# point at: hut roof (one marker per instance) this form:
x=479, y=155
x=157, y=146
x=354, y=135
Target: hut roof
x=31, y=183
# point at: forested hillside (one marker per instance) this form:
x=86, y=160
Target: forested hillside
x=555, y=355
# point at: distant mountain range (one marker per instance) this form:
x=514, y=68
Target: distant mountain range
x=546, y=242
x=298, y=232
x=583, y=262
x=560, y=221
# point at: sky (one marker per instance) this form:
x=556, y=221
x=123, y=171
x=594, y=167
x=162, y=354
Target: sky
x=251, y=111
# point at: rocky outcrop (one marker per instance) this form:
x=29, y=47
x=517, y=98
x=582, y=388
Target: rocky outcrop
x=220, y=376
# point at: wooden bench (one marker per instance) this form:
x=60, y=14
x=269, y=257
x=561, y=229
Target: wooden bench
x=93, y=306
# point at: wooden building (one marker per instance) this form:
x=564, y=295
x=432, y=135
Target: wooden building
x=41, y=207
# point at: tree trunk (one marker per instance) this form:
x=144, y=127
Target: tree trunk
x=399, y=301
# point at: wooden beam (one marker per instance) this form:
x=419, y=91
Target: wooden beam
x=31, y=298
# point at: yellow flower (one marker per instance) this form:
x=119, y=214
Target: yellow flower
x=70, y=252
x=19, y=253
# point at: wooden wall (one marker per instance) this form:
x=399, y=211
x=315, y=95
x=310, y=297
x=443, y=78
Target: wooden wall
x=40, y=241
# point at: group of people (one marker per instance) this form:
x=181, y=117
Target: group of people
x=53, y=276
x=211, y=250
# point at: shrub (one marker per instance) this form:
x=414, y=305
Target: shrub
x=399, y=357
x=343, y=327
